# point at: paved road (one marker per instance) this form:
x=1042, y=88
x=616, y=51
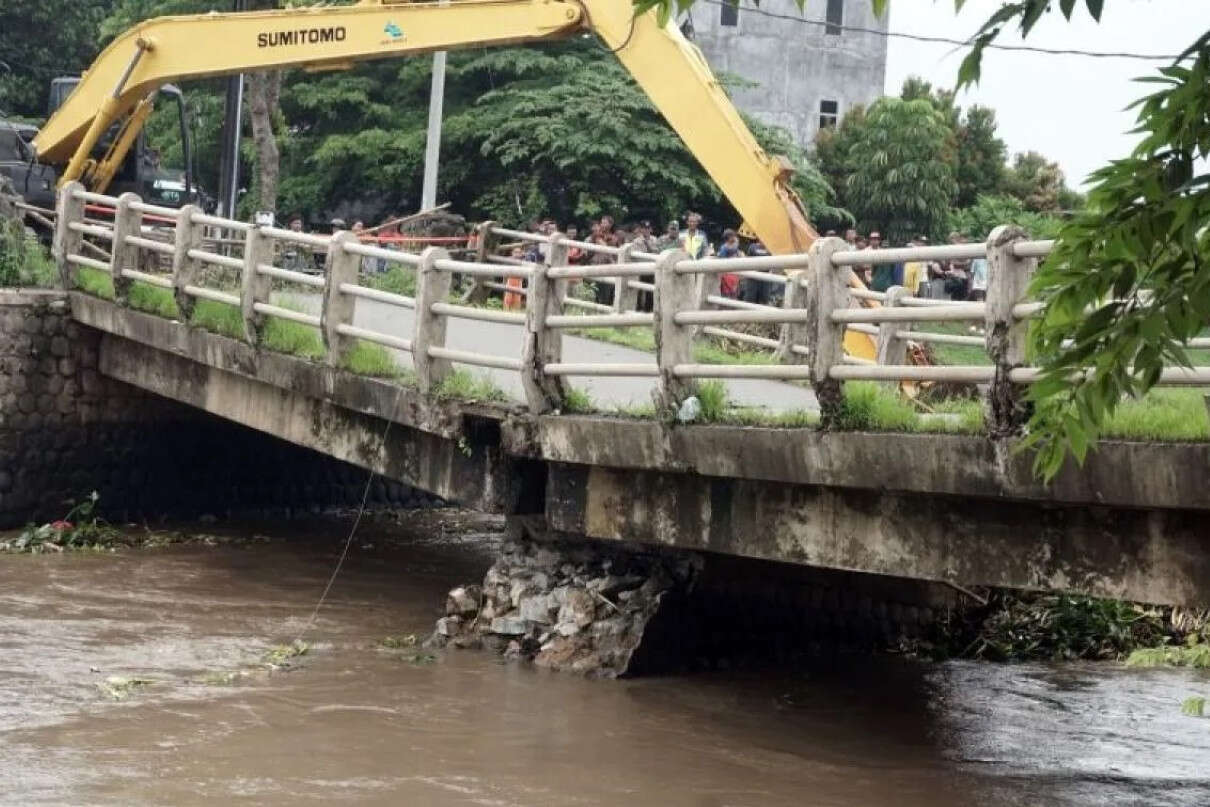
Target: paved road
x=608, y=393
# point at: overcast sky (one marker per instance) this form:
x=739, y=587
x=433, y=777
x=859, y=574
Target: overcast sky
x=1070, y=108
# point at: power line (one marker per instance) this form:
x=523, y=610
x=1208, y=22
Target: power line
x=1095, y=54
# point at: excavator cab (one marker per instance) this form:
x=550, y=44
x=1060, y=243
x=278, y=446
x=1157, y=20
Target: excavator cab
x=140, y=170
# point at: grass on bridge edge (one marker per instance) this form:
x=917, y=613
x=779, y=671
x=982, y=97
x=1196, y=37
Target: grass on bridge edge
x=279, y=335
x=1164, y=414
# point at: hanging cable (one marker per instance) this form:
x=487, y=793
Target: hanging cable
x=1093, y=54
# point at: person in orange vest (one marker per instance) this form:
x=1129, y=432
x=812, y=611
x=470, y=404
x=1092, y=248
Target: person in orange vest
x=512, y=300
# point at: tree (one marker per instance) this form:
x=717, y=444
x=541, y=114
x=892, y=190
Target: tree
x=263, y=89
x=817, y=193
x=1037, y=182
x=526, y=134
x=981, y=156
x=831, y=150
x=901, y=179
x=978, y=153
x=42, y=40
x=990, y=211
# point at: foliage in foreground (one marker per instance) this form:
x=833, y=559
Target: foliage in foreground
x=1129, y=281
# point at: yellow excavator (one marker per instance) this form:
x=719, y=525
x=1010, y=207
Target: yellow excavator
x=113, y=99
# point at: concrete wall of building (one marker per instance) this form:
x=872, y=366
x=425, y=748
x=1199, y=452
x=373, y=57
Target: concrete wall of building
x=67, y=430
x=795, y=65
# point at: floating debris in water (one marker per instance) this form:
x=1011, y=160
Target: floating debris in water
x=222, y=679
x=1194, y=707
x=119, y=688
x=396, y=642
x=280, y=656
x=418, y=658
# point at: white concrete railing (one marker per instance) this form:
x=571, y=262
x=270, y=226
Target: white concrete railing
x=821, y=302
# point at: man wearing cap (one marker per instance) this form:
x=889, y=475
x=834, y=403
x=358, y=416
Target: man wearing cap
x=882, y=276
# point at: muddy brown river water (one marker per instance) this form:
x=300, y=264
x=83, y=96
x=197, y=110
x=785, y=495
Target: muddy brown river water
x=353, y=723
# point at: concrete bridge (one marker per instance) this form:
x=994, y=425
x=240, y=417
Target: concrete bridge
x=963, y=509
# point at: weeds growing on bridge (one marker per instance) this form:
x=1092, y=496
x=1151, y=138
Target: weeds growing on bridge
x=578, y=402
x=278, y=335
x=1163, y=414
x=465, y=386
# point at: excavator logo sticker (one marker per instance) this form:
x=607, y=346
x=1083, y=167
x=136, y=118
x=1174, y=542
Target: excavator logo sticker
x=393, y=31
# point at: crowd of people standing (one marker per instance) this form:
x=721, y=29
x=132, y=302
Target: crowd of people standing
x=957, y=280
x=951, y=279
x=691, y=238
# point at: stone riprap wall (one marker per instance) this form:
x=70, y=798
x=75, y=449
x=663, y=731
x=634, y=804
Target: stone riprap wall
x=577, y=605
x=66, y=430
x=607, y=608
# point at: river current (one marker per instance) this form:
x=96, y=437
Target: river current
x=354, y=722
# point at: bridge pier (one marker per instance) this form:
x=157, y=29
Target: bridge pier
x=610, y=609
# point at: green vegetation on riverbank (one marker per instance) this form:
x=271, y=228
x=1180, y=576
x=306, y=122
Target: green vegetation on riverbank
x=1193, y=653
x=24, y=263
x=1016, y=626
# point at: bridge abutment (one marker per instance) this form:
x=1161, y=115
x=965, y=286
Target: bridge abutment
x=67, y=430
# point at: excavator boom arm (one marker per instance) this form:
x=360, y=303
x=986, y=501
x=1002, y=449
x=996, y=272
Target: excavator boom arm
x=670, y=70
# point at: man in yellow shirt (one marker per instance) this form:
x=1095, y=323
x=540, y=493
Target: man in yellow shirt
x=914, y=273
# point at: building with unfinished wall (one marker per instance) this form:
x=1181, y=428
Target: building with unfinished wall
x=807, y=66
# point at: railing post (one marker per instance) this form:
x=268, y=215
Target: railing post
x=68, y=210
x=673, y=343
x=126, y=221
x=1008, y=279
x=891, y=349
x=432, y=286
x=478, y=293
x=625, y=298
x=340, y=266
x=254, y=287
x=186, y=271
x=828, y=291
x=706, y=284
x=793, y=333
x=544, y=345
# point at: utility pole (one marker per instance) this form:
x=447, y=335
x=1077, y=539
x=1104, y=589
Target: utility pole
x=228, y=176
x=432, y=146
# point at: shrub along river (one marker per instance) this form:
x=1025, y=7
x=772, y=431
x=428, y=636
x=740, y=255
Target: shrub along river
x=168, y=676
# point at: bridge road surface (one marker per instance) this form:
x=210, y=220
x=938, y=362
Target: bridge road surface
x=607, y=392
